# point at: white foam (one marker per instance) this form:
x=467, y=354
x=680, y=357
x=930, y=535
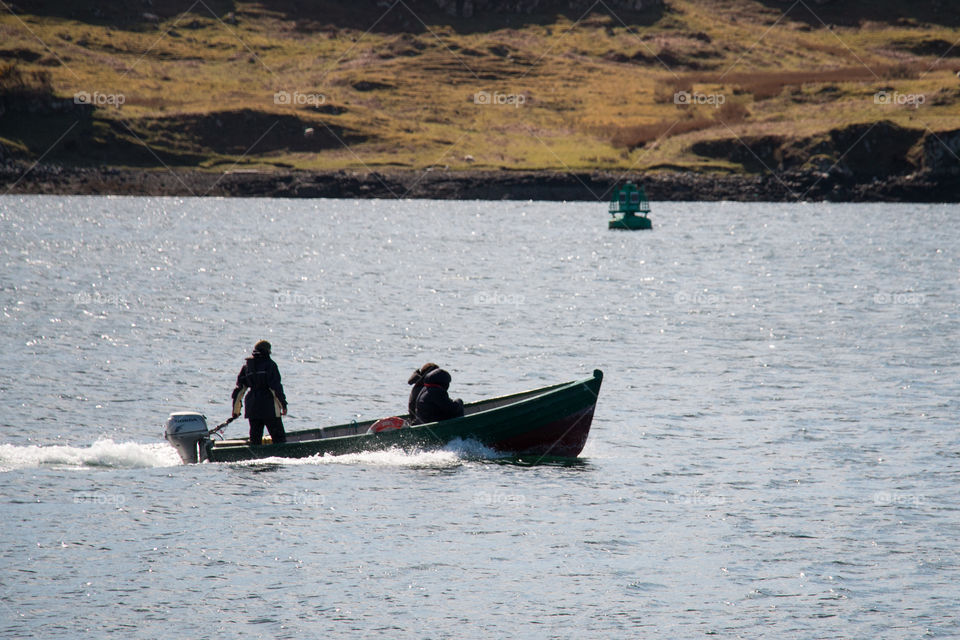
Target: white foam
x=452, y=455
x=386, y=458
x=102, y=453
x=473, y=449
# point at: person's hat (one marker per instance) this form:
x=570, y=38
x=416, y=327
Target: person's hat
x=417, y=375
x=262, y=347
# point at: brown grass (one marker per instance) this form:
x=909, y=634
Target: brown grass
x=763, y=85
x=594, y=92
x=687, y=120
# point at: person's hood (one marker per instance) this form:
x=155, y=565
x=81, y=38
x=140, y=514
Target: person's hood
x=438, y=377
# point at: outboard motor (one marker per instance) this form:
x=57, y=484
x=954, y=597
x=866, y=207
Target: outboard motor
x=186, y=430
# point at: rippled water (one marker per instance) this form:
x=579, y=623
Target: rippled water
x=775, y=451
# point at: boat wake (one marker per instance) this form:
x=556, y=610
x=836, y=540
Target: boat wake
x=453, y=454
x=101, y=454
x=107, y=454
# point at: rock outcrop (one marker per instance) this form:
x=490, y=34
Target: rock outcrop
x=941, y=153
x=864, y=151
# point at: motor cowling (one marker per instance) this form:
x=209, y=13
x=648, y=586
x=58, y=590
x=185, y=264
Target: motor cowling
x=187, y=432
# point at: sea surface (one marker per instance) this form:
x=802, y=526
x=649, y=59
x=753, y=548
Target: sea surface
x=775, y=452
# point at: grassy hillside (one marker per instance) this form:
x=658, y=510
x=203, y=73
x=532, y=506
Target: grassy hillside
x=727, y=85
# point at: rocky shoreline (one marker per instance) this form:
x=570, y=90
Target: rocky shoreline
x=792, y=186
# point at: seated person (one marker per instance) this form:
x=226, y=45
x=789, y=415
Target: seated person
x=417, y=381
x=434, y=403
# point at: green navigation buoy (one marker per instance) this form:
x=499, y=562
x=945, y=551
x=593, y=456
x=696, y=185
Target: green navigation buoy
x=630, y=203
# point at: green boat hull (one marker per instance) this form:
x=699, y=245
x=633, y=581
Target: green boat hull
x=551, y=421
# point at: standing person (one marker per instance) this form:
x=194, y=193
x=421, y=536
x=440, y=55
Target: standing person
x=434, y=403
x=266, y=403
x=416, y=379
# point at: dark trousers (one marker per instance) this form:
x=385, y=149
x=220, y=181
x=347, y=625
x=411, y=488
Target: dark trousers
x=273, y=425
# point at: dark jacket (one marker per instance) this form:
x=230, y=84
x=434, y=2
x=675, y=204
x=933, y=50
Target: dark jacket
x=260, y=379
x=416, y=379
x=434, y=403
